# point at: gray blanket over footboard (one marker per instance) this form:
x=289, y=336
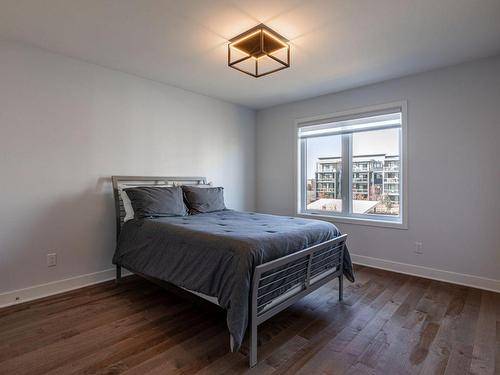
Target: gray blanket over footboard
x=215, y=253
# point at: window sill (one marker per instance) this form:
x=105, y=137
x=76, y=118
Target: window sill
x=356, y=221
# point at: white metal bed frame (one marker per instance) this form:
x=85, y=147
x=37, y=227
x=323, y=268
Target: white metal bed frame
x=276, y=284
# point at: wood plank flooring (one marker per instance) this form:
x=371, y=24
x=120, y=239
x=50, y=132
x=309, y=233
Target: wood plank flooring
x=388, y=323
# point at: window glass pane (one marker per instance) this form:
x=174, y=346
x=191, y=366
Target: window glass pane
x=375, y=172
x=323, y=173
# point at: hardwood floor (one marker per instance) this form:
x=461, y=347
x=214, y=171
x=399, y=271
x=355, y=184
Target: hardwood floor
x=387, y=324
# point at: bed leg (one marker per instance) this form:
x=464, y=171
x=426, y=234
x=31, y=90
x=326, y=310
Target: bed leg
x=118, y=274
x=341, y=287
x=253, y=344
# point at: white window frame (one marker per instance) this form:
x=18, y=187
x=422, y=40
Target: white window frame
x=402, y=222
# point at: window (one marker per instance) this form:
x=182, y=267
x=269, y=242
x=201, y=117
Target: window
x=351, y=166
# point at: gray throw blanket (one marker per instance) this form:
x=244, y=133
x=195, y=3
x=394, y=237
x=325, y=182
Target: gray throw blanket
x=215, y=253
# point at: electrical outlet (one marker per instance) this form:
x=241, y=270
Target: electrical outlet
x=51, y=260
x=418, y=248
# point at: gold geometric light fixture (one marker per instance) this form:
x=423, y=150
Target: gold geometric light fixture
x=258, y=51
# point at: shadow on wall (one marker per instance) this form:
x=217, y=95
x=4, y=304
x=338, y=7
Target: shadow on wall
x=79, y=228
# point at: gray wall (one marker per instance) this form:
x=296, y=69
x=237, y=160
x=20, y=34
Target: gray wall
x=67, y=126
x=453, y=176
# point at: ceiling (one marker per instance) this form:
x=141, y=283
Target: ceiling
x=335, y=44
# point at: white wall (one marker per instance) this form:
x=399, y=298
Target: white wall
x=453, y=176
x=66, y=126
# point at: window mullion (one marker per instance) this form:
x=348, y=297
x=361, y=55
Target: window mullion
x=346, y=174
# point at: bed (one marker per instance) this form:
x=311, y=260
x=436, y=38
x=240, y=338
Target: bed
x=252, y=265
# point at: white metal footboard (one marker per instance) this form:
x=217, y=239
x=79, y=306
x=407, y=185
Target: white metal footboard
x=281, y=282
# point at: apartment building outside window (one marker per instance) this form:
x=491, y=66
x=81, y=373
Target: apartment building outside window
x=351, y=166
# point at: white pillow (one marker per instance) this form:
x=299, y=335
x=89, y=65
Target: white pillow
x=127, y=206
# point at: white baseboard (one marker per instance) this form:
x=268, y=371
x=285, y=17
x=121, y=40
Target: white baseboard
x=55, y=287
x=60, y=286
x=429, y=273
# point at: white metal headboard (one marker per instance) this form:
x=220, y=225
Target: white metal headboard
x=120, y=182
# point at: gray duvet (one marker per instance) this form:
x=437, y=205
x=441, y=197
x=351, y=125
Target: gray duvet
x=215, y=253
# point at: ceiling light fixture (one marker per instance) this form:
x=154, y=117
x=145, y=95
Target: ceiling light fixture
x=258, y=51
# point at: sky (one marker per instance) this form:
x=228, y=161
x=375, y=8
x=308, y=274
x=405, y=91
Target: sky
x=364, y=143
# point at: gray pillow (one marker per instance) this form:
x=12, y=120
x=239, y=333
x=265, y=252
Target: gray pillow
x=204, y=199
x=150, y=201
